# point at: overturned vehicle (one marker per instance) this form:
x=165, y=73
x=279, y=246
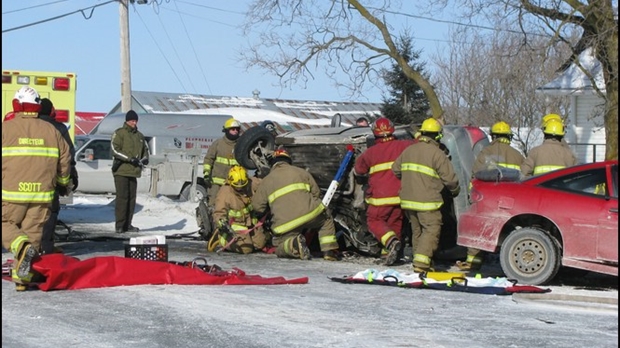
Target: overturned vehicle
x=321, y=151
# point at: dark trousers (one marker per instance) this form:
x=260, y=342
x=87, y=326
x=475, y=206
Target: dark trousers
x=49, y=228
x=125, y=200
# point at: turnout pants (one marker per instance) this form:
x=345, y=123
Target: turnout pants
x=327, y=236
x=23, y=219
x=385, y=222
x=425, y=233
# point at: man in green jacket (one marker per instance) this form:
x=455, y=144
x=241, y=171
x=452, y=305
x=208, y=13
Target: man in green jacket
x=130, y=153
x=293, y=198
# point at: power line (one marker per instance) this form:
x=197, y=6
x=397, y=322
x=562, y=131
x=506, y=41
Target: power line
x=91, y=8
x=35, y=6
x=193, y=49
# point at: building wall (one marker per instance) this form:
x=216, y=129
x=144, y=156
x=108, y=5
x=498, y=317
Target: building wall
x=586, y=130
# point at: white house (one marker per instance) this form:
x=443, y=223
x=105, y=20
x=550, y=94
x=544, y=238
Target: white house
x=585, y=123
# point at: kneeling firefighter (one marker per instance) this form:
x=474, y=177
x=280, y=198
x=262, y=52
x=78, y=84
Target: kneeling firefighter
x=238, y=229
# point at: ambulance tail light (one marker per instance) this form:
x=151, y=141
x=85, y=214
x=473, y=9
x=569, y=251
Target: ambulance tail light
x=61, y=84
x=7, y=78
x=62, y=115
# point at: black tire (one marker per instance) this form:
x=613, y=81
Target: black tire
x=203, y=219
x=201, y=193
x=253, y=146
x=530, y=256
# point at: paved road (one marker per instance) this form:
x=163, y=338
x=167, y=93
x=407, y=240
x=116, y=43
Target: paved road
x=321, y=313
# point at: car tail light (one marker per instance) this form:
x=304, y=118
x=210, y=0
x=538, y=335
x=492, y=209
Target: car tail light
x=62, y=115
x=61, y=84
x=476, y=134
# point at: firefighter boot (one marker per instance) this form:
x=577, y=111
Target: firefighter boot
x=300, y=247
x=331, y=255
x=24, y=259
x=472, y=263
x=393, y=249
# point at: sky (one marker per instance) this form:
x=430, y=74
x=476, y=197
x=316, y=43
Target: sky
x=176, y=46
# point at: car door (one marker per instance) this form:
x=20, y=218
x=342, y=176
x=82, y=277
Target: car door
x=608, y=220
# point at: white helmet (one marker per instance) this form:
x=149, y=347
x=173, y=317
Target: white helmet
x=26, y=99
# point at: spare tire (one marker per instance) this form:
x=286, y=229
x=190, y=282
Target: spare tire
x=498, y=174
x=252, y=147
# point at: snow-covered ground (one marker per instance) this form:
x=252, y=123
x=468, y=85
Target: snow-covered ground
x=321, y=313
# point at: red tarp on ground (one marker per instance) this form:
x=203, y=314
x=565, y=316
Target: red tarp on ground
x=65, y=272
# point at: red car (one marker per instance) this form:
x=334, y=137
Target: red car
x=567, y=217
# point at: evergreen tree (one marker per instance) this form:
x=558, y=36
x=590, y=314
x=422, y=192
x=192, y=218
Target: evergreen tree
x=407, y=102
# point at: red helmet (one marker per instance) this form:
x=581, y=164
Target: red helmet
x=281, y=153
x=383, y=127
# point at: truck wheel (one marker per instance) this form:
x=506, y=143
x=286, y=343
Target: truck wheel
x=530, y=256
x=201, y=193
x=252, y=147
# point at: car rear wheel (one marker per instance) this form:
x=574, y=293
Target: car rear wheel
x=253, y=146
x=530, y=256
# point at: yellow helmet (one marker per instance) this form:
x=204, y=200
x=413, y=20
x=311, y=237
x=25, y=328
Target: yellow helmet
x=231, y=123
x=501, y=127
x=431, y=125
x=237, y=177
x=549, y=117
x=554, y=127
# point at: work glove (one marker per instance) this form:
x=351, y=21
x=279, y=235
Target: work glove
x=62, y=190
x=135, y=162
x=74, y=178
x=145, y=161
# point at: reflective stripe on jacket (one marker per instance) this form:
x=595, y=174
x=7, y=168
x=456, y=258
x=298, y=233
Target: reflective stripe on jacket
x=498, y=153
x=35, y=158
x=234, y=207
x=128, y=142
x=292, y=196
x=424, y=170
x=219, y=159
x=549, y=156
x=376, y=161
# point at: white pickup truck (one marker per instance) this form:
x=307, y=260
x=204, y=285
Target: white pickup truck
x=177, y=145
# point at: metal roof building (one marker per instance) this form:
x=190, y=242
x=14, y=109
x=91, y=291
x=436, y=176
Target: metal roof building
x=288, y=115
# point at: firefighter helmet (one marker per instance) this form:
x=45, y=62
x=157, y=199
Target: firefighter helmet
x=382, y=127
x=26, y=99
x=430, y=125
x=237, y=177
x=281, y=153
x=554, y=127
x=549, y=117
x=231, y=123
x=501, y=128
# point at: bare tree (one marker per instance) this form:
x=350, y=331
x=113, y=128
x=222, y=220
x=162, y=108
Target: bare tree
x=492, y=76
x=597, y=20
x=341, y=35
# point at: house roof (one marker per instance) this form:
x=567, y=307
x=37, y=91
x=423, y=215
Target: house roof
x=573, y=80
x=288, y=115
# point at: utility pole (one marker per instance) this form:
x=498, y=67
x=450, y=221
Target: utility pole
x=125, y=62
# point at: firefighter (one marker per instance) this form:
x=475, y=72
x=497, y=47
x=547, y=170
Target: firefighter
x=556, y=117
x=220, y=158
x=48, y=113
x=383, y=214
x=293, y=198
x=237, y=226
x=551, y=154
x=36, y=161
x=424, y=170
x=498, y=153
